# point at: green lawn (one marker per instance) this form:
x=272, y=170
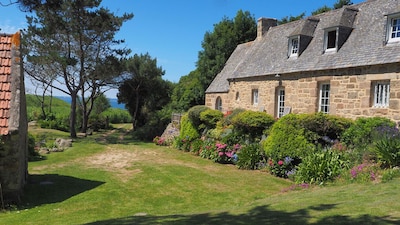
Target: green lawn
x=109, y=179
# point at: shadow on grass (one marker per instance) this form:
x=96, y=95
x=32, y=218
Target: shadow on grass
x=53, y=188
x=258, y=215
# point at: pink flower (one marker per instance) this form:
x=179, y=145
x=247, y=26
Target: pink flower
x=280, y=162
x=220, y=153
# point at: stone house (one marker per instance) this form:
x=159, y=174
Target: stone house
x=345, y=62
x=13, y=119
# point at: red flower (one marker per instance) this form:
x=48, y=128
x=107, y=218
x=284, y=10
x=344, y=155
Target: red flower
x=280, y=162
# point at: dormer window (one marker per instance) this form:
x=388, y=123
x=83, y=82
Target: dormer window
x=331, y=44
x=294, y=46
x=393, y=28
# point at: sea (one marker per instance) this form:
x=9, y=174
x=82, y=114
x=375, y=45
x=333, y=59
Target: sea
x=113, y=101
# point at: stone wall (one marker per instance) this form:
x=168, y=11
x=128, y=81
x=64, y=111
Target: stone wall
x=211, y=100
x=350, y=92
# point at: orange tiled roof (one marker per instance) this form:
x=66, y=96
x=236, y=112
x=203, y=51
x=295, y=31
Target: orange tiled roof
x=6, y=43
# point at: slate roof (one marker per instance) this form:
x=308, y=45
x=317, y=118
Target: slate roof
x=364, y=45
x=6, y=58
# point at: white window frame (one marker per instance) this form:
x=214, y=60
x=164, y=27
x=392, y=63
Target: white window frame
x=393, y=28
x=381, y=93
x=254, y=96
x=324, y=97
x=280, y=102
x=294, y=46
x=327, y=39
x=218, y=103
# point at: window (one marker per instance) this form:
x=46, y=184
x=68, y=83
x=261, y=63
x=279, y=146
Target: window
x=330, y=44
x=394, y=28
x=254, y=98
x=218, y=104
x=324, y=91
x=381, y=93
x=294, y=46
x=281, y=102
x=237, y=96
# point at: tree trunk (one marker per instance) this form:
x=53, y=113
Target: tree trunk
x=72, y=116
x=136, y=108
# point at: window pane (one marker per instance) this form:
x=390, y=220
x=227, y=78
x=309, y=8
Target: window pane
x=331, y=39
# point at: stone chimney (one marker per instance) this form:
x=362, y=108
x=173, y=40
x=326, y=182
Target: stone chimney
x=263, y=24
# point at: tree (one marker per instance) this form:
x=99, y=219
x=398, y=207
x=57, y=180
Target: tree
x=321, y=10
x=291, y=18
x=69, y=41
x=142, y=88
x=217, y=45
x=188, y=92
x=340, y=3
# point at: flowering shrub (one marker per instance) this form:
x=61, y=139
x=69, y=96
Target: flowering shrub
x=282, y=168
x=225, y=154
x=364, y=172
x=207, y=150
x=160, y=141
x=182, y=143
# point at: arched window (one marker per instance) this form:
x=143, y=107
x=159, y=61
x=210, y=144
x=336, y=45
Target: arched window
x=218, y=104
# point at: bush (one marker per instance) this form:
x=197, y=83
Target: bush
x=188, y=131
x=287, y=138
x=227, y=120
x=252, y=124
x=387, y=146
x=250, y=157
x=320, y=167
x=115, y=115
x=32, y=154
x=324, y=128
x=360, y=134
x=210, y=117
x=284, y=168
x=194, y=116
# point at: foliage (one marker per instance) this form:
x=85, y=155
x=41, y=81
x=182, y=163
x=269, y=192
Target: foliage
x=227, y=120
x=208, y=150
x=59, y=121
x=287, y=138
x=340, y=3
x=363, y=173
x=320, y=10
x=324, y=128
x=142, y=89
x=70, y=46
x=194, y=116
x=291, y=18
x=387, y=146
x=187, y=93
x=250, y=157
x=284, y=168
x=360, y=133
x=219, y=44
x=320, y=167
x=32, y=153
x=337, y=5
x=210, y=117
x=188, y=131
x=115, y=115
x=252, y=124
x=196, y=146
x=156, y=123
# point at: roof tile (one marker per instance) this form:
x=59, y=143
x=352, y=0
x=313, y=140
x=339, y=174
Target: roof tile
x=6, y=45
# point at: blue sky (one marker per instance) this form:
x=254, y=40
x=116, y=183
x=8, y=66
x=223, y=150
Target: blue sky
x=172, y=30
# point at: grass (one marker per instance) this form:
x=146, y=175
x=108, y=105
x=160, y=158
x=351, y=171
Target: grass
x=110, y=179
